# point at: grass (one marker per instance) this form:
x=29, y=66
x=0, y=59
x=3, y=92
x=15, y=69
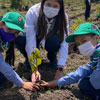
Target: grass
x=81, y=6
x=7, y=3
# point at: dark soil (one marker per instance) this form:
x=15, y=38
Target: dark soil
x=11, y=92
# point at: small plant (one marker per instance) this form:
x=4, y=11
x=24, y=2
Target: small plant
x=98, y=9
x=35, y=60
x=74, y=26
x=98, y=12
x=77, y=22
x=14, y=10
x=89, y=20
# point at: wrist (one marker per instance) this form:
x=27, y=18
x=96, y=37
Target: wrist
x=52, y=83
x=22, y=85
x=60, y=68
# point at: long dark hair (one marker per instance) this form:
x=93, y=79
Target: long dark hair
x=60, y=23
x=10, y=54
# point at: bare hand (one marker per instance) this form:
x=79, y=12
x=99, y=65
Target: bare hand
x=36, y=77
x=58, y=74
x=30, y=86
x=49, y=84
x=45, y=84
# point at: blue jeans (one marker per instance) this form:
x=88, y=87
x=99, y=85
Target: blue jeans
x=20, y=43
x=87, y=89
x=52, y=46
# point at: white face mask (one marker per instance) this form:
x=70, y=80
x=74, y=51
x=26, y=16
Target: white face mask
x=50, y=12
x=87, y=49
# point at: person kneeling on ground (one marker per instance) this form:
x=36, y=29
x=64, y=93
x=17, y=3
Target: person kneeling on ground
x=87, y=39
x=45, y=29
x=11, y=24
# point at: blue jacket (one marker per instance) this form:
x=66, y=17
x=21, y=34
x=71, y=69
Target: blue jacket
x=9, y=73
x=82, y=72
x=5, y=68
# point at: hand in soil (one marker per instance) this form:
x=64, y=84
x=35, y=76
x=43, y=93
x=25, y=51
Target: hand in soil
x=30, y=86
x=58, y=74
x=49, y=84
x=36, y=77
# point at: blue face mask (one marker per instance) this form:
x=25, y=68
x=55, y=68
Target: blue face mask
x=6, y=37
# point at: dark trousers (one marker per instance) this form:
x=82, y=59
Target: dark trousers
x=1, y=78
x=20, y=43
x=87, y=11
x=52, y=46
x=87, y=89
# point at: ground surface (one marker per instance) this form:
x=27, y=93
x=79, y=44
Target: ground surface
x=11, y=92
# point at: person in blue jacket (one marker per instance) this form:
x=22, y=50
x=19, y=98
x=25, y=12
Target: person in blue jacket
x=10, y=25
x=88, y=77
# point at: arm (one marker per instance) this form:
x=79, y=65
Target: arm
x=74, y=77
x=12, y=76
x=9, y=73
x=89, y=2
x=70, y=78
x=31, y=22
x=63, y=51
x=30, y=31
x=67, y=21
x=95, y=77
